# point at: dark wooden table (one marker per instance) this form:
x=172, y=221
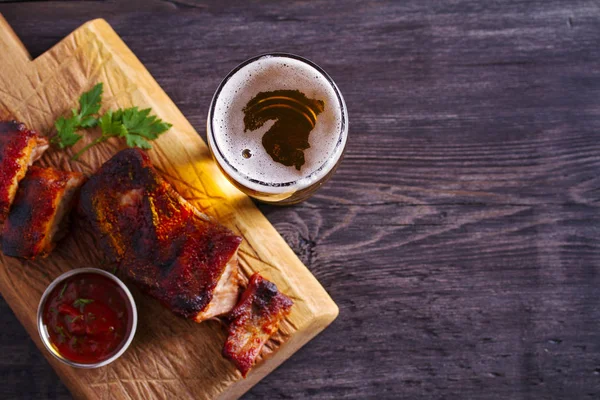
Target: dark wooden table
x=460, y=237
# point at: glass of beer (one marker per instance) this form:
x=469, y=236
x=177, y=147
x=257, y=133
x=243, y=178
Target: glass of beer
x=277, y=127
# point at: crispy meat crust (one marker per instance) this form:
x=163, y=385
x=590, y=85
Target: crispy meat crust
x=160, y=241
x=16, y=146
x=253, y=320
x=28, y=230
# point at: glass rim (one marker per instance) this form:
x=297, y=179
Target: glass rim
x=341, y=136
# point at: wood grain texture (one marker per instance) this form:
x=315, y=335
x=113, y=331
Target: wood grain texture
x=170, y=357
x=459, y=236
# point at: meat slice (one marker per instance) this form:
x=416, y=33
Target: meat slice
x=43, y=200
x=19, y=148
x=253, y=320
x=161, y=242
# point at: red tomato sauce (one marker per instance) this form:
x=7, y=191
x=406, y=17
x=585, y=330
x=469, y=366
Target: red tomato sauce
x=88, y=318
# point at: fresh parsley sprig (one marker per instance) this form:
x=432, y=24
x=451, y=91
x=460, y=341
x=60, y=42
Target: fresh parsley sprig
x=136, y=126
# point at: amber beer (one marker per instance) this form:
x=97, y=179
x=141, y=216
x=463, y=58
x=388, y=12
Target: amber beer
x=277, y=127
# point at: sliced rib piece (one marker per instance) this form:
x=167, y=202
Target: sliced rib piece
x=19, y=148
x=43, y=200
x=165, y=245
x=253, y=320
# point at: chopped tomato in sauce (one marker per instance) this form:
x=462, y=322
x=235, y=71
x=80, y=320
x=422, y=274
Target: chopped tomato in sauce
x=87, y=317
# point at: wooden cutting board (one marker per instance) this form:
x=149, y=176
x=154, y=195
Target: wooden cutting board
x=170, y=357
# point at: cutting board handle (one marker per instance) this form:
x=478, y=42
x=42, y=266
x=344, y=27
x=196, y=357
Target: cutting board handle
x=11, y=45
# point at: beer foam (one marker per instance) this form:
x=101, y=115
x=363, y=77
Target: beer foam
x=260, y=172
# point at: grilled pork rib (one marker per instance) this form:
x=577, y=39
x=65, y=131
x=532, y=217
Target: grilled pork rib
x=19, y=148
x=42, y=202
x=253, y=320
x=165, y=245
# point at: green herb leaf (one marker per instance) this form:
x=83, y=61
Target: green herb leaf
x=81, y=303
x=61, y=332
x=65, y=132
x=137, y=141
x=111, y=125
x=74, y=342
x=70, y=319
x=141, y=123
x=89, y=102
x=89, y=105
x=62, y=291
x=89, y=122
x=136, y=126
